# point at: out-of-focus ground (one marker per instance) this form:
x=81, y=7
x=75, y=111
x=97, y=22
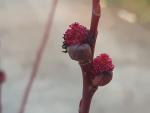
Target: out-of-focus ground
x=140, y=7
x=58, y=86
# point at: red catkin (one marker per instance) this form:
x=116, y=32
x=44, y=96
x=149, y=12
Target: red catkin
x=102, y=69
x=76, y=34
x=2, y=80
x=2, y=77
x=102, y=79
x=102, y=63
x=97, y=72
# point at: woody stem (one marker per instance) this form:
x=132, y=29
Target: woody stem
x=88, y=91
x=88, y=88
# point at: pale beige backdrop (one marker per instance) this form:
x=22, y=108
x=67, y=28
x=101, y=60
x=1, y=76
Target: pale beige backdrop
x=58, y=86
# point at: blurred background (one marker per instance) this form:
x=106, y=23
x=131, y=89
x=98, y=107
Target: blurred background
x=124, y=33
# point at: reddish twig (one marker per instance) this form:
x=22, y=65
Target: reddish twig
x=79, y=42
x=96, y=13
x=38, y=57
x=88, y=88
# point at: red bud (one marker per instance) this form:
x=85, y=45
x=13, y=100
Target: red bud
x=102, y=79
x=80, y=52
x=2, y=77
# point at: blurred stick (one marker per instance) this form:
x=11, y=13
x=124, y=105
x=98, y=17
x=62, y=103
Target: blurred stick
x=38, y=58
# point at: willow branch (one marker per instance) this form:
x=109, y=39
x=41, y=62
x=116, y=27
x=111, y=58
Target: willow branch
x=96, y=13
x=88, y=88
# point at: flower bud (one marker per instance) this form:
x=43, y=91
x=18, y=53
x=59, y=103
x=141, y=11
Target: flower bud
x=102, y=79
x=103, y=70
x=75, y=34
x=102, y=63
x=80, y=52
x=2, y=77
